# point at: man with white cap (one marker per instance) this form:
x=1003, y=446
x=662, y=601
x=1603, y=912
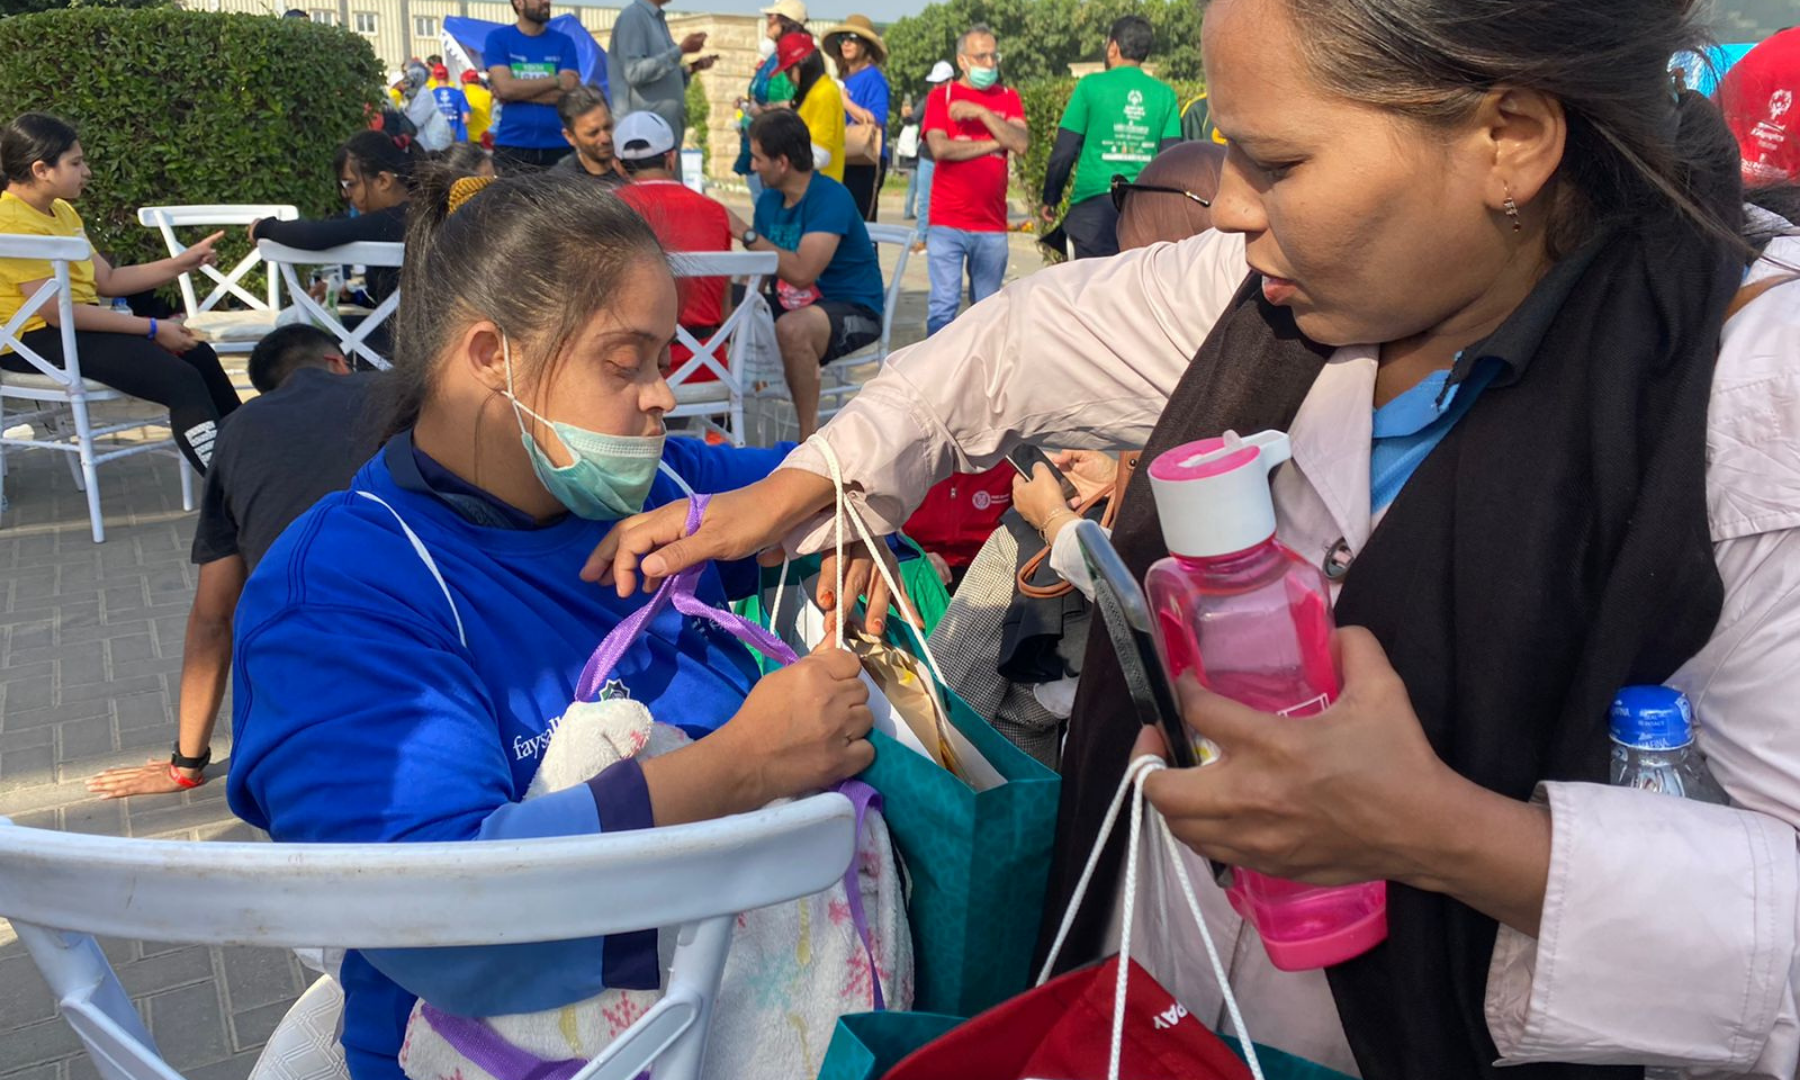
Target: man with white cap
x=682, y=218
x=941, y=73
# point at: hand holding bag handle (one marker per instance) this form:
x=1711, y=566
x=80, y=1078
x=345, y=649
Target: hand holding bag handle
x=1113, y=495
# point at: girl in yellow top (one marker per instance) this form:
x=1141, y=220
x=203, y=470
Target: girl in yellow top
x=816, y=97
x=154, y=359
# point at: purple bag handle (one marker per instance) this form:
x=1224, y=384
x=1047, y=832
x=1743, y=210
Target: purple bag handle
x=678, y=590
x=863, y=797
x=481, y=1044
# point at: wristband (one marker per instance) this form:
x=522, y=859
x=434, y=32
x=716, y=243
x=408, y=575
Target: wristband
x=152, y=334
x=177, y=758
x=182, y=781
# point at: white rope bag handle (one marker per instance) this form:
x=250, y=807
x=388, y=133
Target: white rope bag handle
x=846, y=511
x=1133, y=784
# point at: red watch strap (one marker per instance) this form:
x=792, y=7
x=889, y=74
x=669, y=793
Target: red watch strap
x=182, y=781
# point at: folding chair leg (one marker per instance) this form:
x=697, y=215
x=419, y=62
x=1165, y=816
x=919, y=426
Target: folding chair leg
x=94, y=1003
x=90, y=479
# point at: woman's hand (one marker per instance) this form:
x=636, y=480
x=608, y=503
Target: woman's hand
x=1040, y=501
x=1088, y=470
x=1355, y=793
x=151, y=778
x=172, y=335
x=805, y=727
x=201, y=254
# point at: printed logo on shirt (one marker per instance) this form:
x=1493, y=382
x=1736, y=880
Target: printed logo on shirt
x=523, y=748
x=533, y=69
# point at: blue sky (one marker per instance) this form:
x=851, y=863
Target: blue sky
x=882, y=11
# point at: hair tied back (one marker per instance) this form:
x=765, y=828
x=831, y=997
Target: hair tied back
x=463, y=190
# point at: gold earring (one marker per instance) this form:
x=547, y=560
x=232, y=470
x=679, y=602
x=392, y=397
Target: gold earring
x=1512, y=210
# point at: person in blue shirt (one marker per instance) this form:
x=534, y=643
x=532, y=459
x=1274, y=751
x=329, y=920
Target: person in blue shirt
x=827, y=296
x=860, y=55
x=405, y=647
x=452, y=105
x=529, y=67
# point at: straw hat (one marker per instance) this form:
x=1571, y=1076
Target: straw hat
x=862, y=28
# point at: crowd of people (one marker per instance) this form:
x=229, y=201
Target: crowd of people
x=1538, y=359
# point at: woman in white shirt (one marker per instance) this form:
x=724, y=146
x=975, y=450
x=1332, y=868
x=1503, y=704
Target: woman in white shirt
x=1499, y=218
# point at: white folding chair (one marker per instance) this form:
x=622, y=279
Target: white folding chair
x=56, y=399
x=287, y=260
x=838, y=385
x=59, y=888
x=725, y=396
x=227, y=331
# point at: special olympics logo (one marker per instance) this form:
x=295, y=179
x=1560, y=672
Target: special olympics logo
x=1136, y=97
x=1779, y=103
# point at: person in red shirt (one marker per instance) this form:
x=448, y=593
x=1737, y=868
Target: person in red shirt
x=971, y=125
x=682, y=218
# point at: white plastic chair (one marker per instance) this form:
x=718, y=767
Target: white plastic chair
x=725, y=396
x=836, y=376
x=59, y=888
x=57, y=399
x=368, y=253
x=227, y=331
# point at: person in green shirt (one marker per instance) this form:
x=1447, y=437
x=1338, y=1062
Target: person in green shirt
x=1116, y=122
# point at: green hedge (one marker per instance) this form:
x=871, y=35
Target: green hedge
x=1045, y=100
x=191, y=107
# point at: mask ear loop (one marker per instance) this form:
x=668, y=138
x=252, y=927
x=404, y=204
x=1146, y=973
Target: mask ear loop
x=520, y=411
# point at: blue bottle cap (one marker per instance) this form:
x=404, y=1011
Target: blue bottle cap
x=1652, y=718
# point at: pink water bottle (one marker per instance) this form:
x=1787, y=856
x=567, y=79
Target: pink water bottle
x=1252, y=621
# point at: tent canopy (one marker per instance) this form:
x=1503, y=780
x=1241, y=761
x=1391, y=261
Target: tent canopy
x=470, y=36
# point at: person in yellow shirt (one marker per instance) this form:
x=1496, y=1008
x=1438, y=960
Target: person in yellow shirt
x=481, y=106
x=155, y=359
x=816, y=97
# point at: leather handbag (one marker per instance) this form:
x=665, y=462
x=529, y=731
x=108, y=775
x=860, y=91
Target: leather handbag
x=862, y=144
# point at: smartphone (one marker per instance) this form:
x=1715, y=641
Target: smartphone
x=1126, y=613
x=1026, y=458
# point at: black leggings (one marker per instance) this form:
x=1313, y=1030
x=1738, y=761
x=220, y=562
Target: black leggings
x=194, y=388
x=864, y=182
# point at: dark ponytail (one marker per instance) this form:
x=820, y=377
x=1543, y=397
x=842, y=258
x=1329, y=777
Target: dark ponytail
x=378, y=152
x=32, y=137
x=565, y=244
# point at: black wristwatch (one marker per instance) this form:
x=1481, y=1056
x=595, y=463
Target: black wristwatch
x=178, y=761
x=749, y=237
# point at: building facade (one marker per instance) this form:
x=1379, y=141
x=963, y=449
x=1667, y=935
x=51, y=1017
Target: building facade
x=399, y=29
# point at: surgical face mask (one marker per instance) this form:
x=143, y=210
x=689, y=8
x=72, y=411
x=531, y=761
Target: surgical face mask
x=610, y=476
x=984, y=77
x=767, y=47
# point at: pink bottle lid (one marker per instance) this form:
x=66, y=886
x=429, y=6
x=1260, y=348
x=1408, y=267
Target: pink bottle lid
x=1213, y=495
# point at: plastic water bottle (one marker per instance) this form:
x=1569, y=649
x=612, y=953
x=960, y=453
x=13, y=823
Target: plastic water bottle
x=1653, y=745
x=1251, y=620
x=121, y=306
x=1653, y=750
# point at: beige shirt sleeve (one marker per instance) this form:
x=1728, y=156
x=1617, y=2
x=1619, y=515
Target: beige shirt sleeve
x=1671, y=929
x=1082, y=355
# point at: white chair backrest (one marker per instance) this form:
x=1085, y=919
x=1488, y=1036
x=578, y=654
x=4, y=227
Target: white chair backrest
x=709, y=355
x=59, y=251
x=166, y=219
x=368, y=253
x=902, y=237
x=697, y=877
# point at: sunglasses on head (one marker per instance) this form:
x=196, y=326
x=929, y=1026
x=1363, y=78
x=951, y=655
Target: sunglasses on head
x=1121, y=187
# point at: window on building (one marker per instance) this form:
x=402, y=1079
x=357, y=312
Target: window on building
x=425, y=26
x=365, y=22
x=323, y=16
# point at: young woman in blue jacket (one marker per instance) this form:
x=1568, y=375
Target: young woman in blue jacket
x=403, y=649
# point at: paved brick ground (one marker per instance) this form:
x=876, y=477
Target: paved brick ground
x=90, y=655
